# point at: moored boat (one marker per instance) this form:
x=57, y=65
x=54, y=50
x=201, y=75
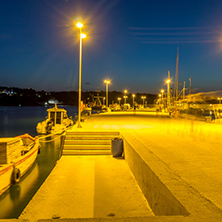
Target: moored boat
x=17, y=155
x=57, y=121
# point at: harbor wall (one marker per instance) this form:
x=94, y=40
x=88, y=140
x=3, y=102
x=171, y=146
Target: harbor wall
x=167, y=193
x=159, y=197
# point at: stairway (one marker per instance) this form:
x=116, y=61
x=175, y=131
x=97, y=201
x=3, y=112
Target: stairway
x=88, y=143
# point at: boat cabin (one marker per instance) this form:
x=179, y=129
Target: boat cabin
x=10, y=149
x=57, y=115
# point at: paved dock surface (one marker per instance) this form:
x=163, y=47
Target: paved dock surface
x=88, y=187
x=190, y=149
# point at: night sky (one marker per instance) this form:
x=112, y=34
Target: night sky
x=131, y=42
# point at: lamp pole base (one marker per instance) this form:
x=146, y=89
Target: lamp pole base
x=79, y=125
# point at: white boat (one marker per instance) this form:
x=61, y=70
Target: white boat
x=57, y=121
x=17, y=155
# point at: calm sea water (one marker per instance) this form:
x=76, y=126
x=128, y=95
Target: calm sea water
x=15, y=121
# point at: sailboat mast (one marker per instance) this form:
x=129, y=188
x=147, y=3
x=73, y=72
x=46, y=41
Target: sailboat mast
x=176, y=76
x=190, y=86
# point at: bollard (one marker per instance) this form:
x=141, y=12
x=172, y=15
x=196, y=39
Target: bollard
x=117, y=147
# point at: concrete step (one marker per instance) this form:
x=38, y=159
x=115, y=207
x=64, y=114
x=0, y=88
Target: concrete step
x=86, y=152
x=87, y=147
x=91, y=137
x=87, y=142
x=111, y=133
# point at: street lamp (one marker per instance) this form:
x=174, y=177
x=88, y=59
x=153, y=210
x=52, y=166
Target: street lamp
x=133, y=99
x=107, y=82
x=125, y=97
x=143, y=97
x=119, y=99
x=162, y=91
x=79, y=25
x=160, y=98
x=125, y=91
x=168, y=92
x=104, y=100
x=219, y=100
x=81, y=36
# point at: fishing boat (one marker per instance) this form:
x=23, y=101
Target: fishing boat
x=56, y=122
x=96, y=102
x=17, y=155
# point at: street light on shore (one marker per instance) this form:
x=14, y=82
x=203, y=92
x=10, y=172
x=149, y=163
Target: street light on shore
x=81, y=36
x=219, y=100
x=125, y=97
x=160, y=98
x=143, y=97
x=162, y=91
x=119, y=99
x=133, y=99
x=125, y=91
x=168, y=92
x=107, y=82
x=79, y=25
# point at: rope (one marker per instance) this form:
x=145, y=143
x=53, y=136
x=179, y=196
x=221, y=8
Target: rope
x=48, y=141
x=52, y=134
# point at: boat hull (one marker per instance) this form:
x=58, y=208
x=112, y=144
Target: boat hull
x=57, y=122
x=23, y=164
x=57, y=129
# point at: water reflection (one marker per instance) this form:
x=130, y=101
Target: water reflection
x=19, y=120
x=15, y=193
x=17, y=197
x=12, y=197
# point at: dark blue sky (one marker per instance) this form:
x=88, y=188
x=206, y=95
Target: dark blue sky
x=133, y=43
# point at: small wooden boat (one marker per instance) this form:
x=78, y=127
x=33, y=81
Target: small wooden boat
x=56, y=122
x=17, y=155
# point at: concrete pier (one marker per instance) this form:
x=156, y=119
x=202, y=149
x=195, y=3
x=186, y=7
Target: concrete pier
x=176, y=163
x=88, y=187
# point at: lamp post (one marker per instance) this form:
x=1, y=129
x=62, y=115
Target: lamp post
x=160, y=98
x=107, y=82
x=104, y=100
x=81, y=36
x=133, y=99
x=168, y=92
x=125, y=97
x=143, y=97
x=119, y=99
x=219, y=100
x=162, y=91
x=125, y=91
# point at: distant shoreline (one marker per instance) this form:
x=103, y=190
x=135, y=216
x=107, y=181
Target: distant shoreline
x=12, y=96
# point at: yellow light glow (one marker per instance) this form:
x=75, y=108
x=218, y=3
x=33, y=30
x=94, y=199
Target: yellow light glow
x=119, y=98
x=79, y=25
x=162, y=91
x=107, y=81
x=125, y=91
x=160, y=95
x=168, y=81
x=133, y=95
x=82, y=35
